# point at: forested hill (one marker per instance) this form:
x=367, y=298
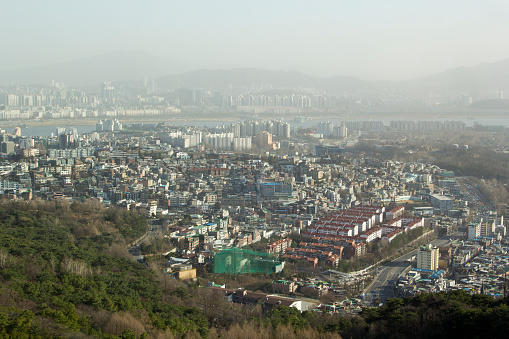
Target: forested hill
x=65, y=272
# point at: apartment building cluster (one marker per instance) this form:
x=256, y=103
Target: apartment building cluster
x=58, y=112
x=250, y=102
x=60, y=102
x=344, y=234
x=426, y=126
x=235, y=137
x=108, y=125
x=144, y=97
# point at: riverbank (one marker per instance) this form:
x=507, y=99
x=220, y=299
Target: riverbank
x=124, y=120
x=494, y=117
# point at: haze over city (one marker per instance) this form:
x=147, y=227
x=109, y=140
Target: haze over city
x=370, y=40
x=254, y=169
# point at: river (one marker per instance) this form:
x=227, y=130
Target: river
x=46, y=131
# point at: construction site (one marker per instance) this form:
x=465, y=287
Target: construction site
x=239, y=261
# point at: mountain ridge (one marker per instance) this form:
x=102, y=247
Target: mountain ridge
x=246, y=77
x=171, y=73
x=91, y=71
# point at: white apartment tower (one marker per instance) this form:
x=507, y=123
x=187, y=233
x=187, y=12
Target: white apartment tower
x=427, y=257
x=474, y=230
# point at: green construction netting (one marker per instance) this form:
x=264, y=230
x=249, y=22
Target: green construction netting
x=239, y=261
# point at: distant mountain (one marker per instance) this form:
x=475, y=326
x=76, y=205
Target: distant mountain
x=481, y=78
x=95, y=70
x=170, y=73
x=484, y=77
x=246, y=77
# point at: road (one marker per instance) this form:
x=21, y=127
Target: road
x=388, y=274
x=155, y=230
x=477, y=195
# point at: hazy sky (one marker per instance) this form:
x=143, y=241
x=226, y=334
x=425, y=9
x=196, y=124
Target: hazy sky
x=373, y=40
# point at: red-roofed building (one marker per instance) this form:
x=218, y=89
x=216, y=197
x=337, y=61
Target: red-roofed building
x=372, y=234
x=390, y=236
x=280, y=246
x=396, y=212
x=356, y=250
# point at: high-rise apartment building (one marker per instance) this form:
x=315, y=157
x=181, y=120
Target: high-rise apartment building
x=427, y=257
x=474, y=230
x=7, y=147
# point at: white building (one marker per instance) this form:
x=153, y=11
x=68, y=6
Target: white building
x=151, y=209
x=108, y=125
x=474, y=230
x=427, y=258
x=242, y=144
x=325, y=128
x=219, y=141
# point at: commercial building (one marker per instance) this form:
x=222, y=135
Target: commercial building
x=441, y=202
x=276, y=189
x=328, y=150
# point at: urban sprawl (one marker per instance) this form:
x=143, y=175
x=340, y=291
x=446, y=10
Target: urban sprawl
x=214, y=194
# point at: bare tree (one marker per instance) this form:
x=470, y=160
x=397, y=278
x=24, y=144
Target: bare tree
x=78, y=267
x=4, y=258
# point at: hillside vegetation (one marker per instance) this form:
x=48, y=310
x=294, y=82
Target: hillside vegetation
x=65, y=269
x=65, y=272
